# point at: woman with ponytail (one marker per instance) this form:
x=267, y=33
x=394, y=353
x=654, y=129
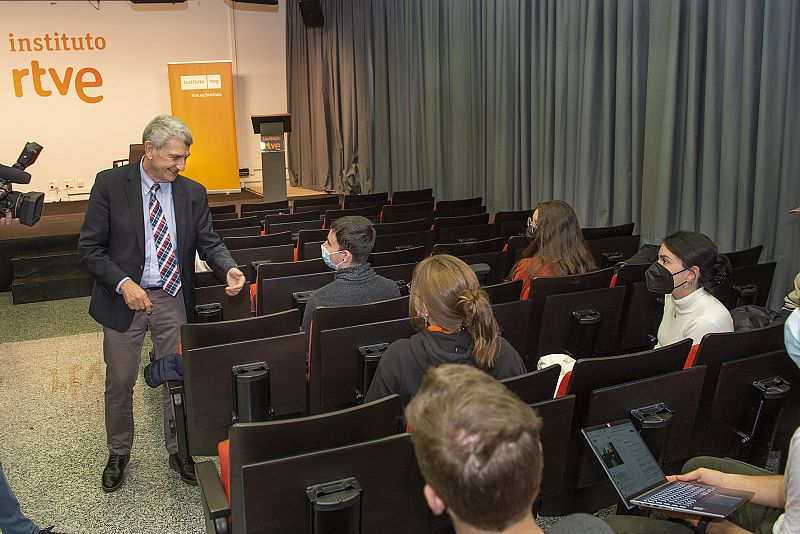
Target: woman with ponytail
x=688, y=264
x=456, y=325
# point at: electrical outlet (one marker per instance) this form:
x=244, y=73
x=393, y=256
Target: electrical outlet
x=53, y=185
x=69, y=184
x=79, y=182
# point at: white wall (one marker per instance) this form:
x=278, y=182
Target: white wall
x=81, y=138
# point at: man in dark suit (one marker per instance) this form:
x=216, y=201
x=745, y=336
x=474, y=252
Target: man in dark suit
x=142, y=228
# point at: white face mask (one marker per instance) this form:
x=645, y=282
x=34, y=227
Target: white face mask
x=326, y=257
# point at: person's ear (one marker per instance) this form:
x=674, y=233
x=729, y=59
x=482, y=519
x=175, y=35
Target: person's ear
x=149, y=149
x=695, y=270
x=435, y=503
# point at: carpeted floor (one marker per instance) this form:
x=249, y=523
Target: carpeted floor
x=53, y=448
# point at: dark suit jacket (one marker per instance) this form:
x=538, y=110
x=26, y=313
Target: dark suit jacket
x=111, y=244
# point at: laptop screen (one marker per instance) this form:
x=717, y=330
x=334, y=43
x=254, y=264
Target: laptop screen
x=625, y=457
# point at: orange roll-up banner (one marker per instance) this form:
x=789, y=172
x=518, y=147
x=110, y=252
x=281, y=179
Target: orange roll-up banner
x=202, y=96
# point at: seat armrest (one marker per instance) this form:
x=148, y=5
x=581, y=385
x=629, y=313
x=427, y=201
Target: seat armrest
x=177, y=396
x=215, y=502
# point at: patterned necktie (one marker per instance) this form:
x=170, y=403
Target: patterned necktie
x=167, y=263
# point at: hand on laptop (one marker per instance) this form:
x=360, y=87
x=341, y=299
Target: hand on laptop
x=705, y=476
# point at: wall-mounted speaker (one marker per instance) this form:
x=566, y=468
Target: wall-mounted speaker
x=311, y=11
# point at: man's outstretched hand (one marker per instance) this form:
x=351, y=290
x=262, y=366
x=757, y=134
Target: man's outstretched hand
x=236, y=280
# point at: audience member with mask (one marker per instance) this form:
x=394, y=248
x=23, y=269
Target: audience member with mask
x=688, y=263
x=346, y=251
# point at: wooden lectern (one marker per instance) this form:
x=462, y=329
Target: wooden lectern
x=273, y=148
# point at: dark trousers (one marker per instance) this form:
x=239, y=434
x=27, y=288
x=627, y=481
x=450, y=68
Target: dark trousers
x=122, y=352
x=751, y=517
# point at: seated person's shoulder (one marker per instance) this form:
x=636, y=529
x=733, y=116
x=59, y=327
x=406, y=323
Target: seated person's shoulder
x=507, y=363
x=390, y=285
x=717, y=314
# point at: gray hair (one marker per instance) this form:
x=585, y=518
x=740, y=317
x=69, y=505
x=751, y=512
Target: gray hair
x=163, y=128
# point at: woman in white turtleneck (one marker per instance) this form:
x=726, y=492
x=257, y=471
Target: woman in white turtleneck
x=687, y=264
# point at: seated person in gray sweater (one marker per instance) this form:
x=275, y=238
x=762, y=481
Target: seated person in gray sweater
x=457, y=325
x=478, y=449
x=346, y=250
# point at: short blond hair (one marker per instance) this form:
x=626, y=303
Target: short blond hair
x=477, y=445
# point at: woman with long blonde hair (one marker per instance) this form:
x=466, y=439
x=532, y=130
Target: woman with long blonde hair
x=556, y=246
x=456, y=325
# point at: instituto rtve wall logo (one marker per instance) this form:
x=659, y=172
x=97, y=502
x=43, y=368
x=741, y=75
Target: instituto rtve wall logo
x=201, y=81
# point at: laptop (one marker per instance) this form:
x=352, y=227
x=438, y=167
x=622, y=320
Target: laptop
x=640, y=481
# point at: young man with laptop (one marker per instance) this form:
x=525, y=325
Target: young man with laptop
x=712, y=495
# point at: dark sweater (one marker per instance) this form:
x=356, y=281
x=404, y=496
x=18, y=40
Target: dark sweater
x=355, y=285
x=406, y=361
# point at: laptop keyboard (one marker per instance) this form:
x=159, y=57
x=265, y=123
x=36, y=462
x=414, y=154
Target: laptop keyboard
x=683, y=495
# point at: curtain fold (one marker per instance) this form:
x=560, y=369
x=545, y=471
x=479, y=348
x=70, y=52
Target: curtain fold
x=675, y=114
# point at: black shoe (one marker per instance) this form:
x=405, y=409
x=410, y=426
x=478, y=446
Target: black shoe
x=184, y=467
x=49, y=530
x=114, y=473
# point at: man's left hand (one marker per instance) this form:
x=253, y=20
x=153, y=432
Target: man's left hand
x=236, y=280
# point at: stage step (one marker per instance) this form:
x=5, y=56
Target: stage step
x=45, y=264
x=42, y=288
x=42, y=277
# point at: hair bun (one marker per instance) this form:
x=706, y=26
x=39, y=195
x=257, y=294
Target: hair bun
x=719, y=271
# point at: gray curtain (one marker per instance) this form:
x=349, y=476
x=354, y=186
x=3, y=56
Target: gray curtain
x=670, y=113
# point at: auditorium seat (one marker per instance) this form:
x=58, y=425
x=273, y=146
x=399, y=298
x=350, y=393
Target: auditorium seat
x=203, y=408
x=412, y=196
x=318, y=204
x=239, y=232
x=222, y=208
x=749, y=284
x=402, y=216
x=394, y=257
x=716, y=349
x=608, y=231
x=282, y=205
x=460, y=234
x=370, y=212
x=740, y=422
x=258, y=442
x=236, y=243
x=233, y=307
x=310, y=236
x=609, y=251
x=417, y=225
x=244, y=222
x=383, y=471
x=363, y=201
x=199, y=335
x=390, y=242
x=745, y=257
x=536, y=386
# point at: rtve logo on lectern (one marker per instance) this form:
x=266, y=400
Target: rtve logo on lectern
x=201, y=81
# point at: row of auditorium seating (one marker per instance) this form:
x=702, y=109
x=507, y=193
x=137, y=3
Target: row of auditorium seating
x=704, y=409
x=330, y=369
x=605, y=312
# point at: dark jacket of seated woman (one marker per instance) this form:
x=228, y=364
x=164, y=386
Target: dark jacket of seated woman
x=456, y=325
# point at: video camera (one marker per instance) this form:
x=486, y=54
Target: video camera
x=27, y=207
